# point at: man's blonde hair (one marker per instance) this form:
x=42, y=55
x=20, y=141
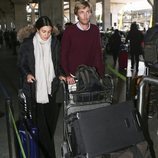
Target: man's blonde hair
x=81, y=5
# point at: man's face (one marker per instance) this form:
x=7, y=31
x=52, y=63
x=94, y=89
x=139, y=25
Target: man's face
x=84, y=15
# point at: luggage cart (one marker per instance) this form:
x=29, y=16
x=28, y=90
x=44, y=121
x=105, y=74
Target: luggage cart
x=78, y=102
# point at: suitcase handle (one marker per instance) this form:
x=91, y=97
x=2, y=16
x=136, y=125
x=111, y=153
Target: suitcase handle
x=137, y=120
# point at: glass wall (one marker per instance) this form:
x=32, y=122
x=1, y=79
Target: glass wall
x=32, y=10
x=66, y=11
x=142, y=17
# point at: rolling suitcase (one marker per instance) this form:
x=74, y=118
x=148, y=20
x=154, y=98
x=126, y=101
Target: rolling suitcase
x=123, y=59
x=106, y=130
x=28, y=132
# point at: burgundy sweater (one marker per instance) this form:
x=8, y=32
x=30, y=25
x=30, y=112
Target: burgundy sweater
x=81, y=47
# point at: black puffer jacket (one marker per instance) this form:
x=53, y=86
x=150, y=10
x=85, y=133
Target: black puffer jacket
x=26, y=65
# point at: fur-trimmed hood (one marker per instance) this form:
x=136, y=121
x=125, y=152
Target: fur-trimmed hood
x=25, y=32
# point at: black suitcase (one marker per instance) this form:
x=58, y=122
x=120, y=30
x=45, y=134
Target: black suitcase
x=107, y=129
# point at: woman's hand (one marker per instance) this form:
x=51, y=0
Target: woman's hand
x=30, y=78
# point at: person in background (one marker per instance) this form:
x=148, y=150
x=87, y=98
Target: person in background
x=60, y=31
x=68, y=24
x=135, y=38
x=150, y=32
x=7, y=38
x=1, y=38
x=13, y=40
x=81, y=43
x=115, y=43
x=39, y=65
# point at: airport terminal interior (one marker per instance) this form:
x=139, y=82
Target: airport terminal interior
x=9, y=78
x=127, y=83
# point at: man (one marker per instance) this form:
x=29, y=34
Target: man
x=81, y=43
x=136, y=38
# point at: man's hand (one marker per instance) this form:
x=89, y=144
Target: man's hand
x=70, y=80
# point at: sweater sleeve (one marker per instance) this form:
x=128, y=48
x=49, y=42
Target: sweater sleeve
x=65, y=46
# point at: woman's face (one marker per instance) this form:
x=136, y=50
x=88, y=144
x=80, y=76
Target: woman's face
x=45, y=32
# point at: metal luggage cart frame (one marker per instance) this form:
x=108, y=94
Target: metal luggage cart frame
x=72, y=106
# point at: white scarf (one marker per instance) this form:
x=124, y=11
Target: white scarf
x=44, y=69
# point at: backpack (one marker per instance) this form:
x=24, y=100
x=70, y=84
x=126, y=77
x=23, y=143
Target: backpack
x=151, y=48
x=89, y=86
x=88, y=79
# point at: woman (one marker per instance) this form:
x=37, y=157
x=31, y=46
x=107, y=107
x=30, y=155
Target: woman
x=38, y=64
